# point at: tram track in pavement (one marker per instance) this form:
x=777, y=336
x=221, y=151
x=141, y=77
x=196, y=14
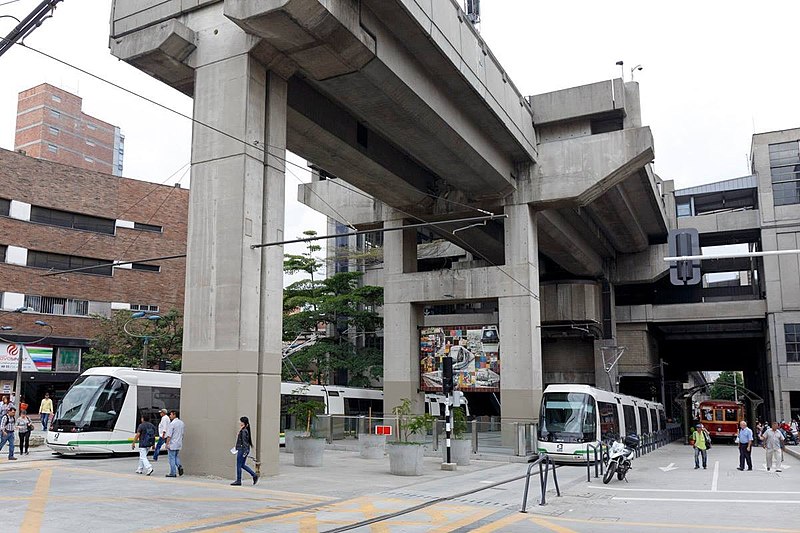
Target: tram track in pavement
x=354, y=525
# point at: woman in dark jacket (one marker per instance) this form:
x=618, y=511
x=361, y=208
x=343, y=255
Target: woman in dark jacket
x=243, y=444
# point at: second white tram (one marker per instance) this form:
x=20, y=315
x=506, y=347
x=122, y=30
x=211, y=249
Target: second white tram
x=101, y=410
x=573, y=416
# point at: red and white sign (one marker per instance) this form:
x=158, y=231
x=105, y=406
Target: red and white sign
x=383, y=430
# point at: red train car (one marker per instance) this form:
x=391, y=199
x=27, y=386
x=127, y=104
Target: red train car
x=721, y=417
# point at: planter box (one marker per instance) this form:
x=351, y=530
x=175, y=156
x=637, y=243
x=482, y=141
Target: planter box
x=288, y=439
x=308, y=451
x=460, y=451
x=406, y=459
x=372, y=446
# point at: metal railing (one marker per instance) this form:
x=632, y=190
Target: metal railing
x=599, y=461
x=542, y=459
x=648, y=443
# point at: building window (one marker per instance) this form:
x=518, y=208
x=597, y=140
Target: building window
x=3, y=249
x=147, y=227
x=91, y=126
x=90, y=143
x=684, y=208
x=55, y=98
x=68, y=262
x=144, y=307
x=51, y=305
x=145, y=266
x=5, y=207
x=784, y=166
x=52, y=147
x=792, y=332
x=54, y=217
x=53, y=131
x=88, y=159
x=55, y=114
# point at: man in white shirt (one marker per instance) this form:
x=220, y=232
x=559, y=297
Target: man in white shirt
x=174, y=444
x=773, y=443
x=163, y=426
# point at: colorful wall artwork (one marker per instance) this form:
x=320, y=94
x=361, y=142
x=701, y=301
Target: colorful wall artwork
x=476, y=357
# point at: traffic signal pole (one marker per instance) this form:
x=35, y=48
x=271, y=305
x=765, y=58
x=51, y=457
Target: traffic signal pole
x=447, y=388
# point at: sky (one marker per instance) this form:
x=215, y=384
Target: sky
x=713, y=74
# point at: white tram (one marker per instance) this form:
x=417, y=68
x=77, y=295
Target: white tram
x=573, y=416
x=101, y=410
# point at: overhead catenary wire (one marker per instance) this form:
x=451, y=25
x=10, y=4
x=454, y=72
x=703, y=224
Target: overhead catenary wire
x=266, y=159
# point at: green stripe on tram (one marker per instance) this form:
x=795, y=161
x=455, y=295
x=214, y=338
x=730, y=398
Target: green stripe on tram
x=84, y=442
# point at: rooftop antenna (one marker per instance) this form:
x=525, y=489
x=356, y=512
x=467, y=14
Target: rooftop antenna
x=473, y=10
x=634, y=69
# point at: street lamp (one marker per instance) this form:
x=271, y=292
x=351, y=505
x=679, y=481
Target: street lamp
x=22, y=344
x=153, y=318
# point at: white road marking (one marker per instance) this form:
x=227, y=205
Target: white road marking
x=704, y=500
x=668, y=468
x=715, y=479
x=694, y=491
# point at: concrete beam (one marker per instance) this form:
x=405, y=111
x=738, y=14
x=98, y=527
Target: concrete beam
x=161, y=51
x=562, y=243
x=575, y=172
x=619, y=217
x=711, y=311
x=565, y=105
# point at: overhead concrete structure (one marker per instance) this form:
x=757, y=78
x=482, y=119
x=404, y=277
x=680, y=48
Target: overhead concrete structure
x=401, y=99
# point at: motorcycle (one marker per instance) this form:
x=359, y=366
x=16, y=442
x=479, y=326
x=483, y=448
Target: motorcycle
x=620, y=456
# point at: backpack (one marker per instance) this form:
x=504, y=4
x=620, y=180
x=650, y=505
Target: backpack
x=708, y=439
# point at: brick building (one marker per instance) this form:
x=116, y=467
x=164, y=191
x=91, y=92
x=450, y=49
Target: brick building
x=52, y=126
x=56, y=217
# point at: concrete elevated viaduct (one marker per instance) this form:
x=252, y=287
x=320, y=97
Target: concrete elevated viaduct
x=403, y=100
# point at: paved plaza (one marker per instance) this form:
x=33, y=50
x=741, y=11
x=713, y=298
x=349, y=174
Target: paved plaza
x=46, y=493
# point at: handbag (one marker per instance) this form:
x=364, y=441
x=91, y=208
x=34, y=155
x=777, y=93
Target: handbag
x=736, y=440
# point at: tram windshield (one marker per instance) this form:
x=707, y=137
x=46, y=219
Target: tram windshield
x=567, y=417
x=93, y=403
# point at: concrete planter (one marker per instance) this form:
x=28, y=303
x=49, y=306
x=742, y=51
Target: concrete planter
x=460, y=451
x=406, y=459
x=288, y=439
x=372, y=446
x=308, y=451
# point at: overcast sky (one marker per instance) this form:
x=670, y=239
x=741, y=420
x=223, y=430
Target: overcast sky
x=713, y=73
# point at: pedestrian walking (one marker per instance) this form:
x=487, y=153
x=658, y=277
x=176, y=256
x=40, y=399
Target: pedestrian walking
x=4, y=405
x=174, y=444
x=759, y=430
x=145, y=436
x=24, y=428
x=745, y=441
x=243, y=444
x=46, y=410
x=702, y=440
x=774, y=442
x=163, y=426
x=8, y=424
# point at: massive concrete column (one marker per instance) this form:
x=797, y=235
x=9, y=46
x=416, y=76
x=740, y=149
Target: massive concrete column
x=520, y=334
x=400, y=321
x=233, y=311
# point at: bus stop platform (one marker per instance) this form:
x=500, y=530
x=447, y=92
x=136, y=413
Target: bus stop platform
x=41, y=492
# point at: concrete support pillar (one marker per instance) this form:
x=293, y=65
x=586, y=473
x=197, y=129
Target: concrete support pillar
x=233, y=312
x=400, y=323
x=520, y=333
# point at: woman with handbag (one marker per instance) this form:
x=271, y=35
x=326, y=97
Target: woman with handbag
x=243, y=444
x=24, y=428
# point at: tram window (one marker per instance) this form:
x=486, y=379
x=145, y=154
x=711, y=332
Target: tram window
x=718, y=415
x=731, y=415
x=644, y=420
x=150, y=400
x=102, y=416
x=708, y=414
x=630, y=419
x=654, y=419
x=609, y=420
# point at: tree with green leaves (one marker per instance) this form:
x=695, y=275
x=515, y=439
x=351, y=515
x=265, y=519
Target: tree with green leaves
x=723, y=386
x=113, y=347
x=345, y=310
